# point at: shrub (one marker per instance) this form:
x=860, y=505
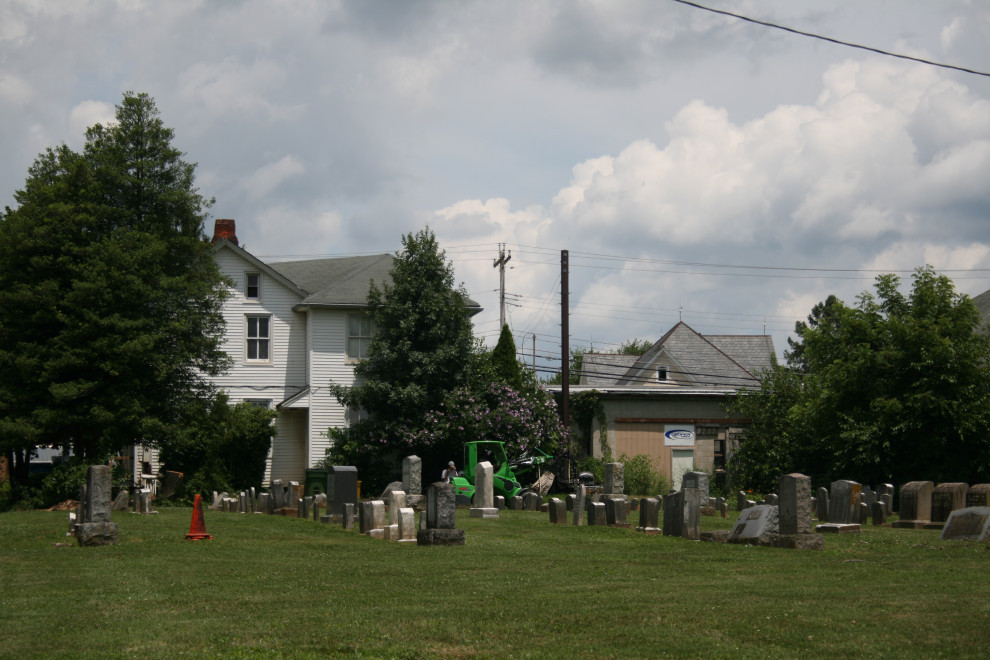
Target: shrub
x=642, y=477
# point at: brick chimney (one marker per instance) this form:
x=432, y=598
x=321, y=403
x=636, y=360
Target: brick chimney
x=224, y=228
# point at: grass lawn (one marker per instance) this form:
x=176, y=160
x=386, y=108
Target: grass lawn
x=269, y=586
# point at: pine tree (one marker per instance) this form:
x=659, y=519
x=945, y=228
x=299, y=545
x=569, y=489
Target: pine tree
x=110, y=299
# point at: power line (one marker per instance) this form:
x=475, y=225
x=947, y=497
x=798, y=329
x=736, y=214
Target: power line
x=833, y=40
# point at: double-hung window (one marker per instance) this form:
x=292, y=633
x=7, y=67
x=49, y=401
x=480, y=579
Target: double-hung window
x=359, y=331
x=252, y=286
x=259, y=338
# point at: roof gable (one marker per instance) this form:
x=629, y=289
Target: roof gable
x=259, y=265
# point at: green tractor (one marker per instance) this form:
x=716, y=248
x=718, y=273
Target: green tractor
x=507, y=475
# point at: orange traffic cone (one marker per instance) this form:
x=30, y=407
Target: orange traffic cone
x=197, y=528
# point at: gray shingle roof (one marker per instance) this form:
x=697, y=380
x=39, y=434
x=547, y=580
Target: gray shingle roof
x=337, y=281
x=691, y=359
x=343, y=281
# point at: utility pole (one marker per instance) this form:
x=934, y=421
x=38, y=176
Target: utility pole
x=565, y=344
x=500, y=264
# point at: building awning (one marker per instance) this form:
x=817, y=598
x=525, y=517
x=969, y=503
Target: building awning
x=298, y=400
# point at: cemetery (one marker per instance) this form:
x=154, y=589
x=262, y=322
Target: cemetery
x=411, y=573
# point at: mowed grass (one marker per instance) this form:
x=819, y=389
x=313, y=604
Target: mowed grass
x=269, y=586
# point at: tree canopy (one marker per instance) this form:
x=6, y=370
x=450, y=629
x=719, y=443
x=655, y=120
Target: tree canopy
x=110, y=300
x=426, y=386
x=894, y=389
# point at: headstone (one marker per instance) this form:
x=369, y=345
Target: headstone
x=615, y=511
x=772, y=498
x=98, y=494
x=396, y=501
x=634, y=504
x=843, y=502
x=484, y=497
x=277, y=491
x=349, y=515
x=412, y=475
x=969, y=524
x=755, y=525
x=694, y=487
x=301, y=509
x=614, y=481
x=821, y=504
x=596, y=514
x=879, y=512
x=515, y=503
x=916, y=505
x=407, y=525
x=794, y=506
x=649, y=516
x=316, y=510
x=569, y=501
x=366, y=519
x=499, y=502
x=532, y=501
x=441, y=506
x=95, y=527
x=868, y=497
x=265, y=503
x=253, y=499
x=673, y=514
x=578, y=511
x=888, y=503
x=946, y=498
x=978, y=495
x=121, y=502
x=558, y=511
x=341, y=487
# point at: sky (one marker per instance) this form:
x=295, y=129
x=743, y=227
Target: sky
x=694, y=166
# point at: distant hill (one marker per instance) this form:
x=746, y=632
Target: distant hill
x=983, y=304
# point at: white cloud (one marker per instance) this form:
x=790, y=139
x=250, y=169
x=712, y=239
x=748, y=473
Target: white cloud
x=89, y=113
x=269, y=177
x=232, y=87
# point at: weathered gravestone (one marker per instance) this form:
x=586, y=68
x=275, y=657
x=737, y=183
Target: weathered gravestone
x=694, y=487
x=794, y=506
x=558, y=511
x=969, y=524
x=499, y=502
x=348, y=521
x=396, y=501
x=484, y=496
x=578, y=512
x=95, y=527
x=946, y=498
x=978, y=495
x=412, y=475
x=879, y=512
x=596, y=514
x=441, y=507
x=755, y=525
x=843, y=502
x=516, y=503
x=532, y=501
x=407, y=525
x=916, y=505
x=649, y=516
x=616, y=509
x=372, y=517
x=673, y=514
x=121, y=502
x=614, y=481
x=342, y=485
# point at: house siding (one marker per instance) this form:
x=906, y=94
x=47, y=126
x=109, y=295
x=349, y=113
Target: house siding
x=328, y=363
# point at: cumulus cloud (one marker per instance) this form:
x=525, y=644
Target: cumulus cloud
x=270, y=176
x=89, y=113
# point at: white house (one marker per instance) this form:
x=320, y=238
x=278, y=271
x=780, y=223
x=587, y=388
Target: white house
x=292, y=328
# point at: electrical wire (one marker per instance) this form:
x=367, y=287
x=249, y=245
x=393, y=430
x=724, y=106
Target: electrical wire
x=833, y=40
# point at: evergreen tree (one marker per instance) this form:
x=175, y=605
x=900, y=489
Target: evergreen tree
x=110, y=299
x=505, y=362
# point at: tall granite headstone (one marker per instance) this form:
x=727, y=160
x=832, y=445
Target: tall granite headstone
x=341, y=488
x=412, y=475
x=843, y=502
x=441, y=508
x=916, y=505
x=794, y=504
x=614, y=482
x=96, y=527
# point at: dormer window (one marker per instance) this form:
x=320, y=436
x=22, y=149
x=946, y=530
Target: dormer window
x=252, y=286
x=661, y=374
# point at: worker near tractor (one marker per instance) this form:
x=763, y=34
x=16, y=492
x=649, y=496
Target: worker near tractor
x=449, y=473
